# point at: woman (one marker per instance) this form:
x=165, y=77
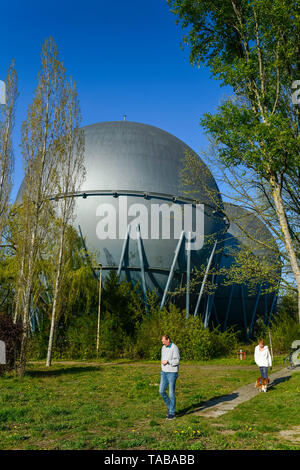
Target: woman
x=262, y=358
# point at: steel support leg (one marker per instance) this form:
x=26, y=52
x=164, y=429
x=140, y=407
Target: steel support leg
x=209, y=303
x=244, y=310
x=272, y=307
x=205, y=277
x=228, y=307
x=188, y=277
x=266, y=309
x=123, y=250
x=86, y=252
x=170, y=277
x=216, y=313
x=254, y=312
x=139, y=241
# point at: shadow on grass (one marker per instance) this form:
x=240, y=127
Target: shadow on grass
x=279, y=381
x=61, y=371
x=224, y=398
x=207, y=404
x=71, y=369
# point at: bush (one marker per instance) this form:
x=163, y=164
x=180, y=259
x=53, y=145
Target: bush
x=285, y=327
x=123, y=311
x=79, y=341
x=127, y=330
x=284, y=330
x=76, y=331
x=11, y=334
x=224, y=343
x=193, y=340
x=38, y=341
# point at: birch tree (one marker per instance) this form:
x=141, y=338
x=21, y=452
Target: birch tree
x=41, y=141
x=71, y=174
x=253, y=47
x=7, y=119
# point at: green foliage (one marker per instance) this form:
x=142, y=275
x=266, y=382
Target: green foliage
x=7, y=281
x=77, y=307
x=75, y=338
x=126, y=328
x=284, y=331
x=223, y=343
x=251, y=269
x=285, y=327
x=79, y=340
x=193, y=340
x=122, y=314
x=288, y=306
x=253, y=47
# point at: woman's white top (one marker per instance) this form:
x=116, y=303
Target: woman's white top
x=262, y=357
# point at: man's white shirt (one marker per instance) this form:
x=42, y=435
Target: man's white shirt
x=170, y=354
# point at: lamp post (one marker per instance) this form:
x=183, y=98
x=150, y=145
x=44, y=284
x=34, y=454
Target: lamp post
x=99, y=309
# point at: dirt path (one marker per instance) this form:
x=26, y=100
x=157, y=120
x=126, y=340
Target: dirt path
x=218, y=406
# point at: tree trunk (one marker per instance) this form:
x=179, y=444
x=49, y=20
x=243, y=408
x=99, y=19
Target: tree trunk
x=286, y=235
x=26, y=307
x=22, y=364
x=19, y=293
x=55, y=299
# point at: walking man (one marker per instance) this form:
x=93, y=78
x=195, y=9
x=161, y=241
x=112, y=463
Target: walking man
x=169, y=372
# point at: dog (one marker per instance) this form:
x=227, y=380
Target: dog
x=262, y=384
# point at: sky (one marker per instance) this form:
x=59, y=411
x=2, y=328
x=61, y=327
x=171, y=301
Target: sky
x=124, y=56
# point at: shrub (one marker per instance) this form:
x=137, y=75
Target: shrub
x=193, y=340
x=285, y=327
x=79, y=341
x=123, y=311
x=128, y=330
x=284, y=330
x=223, y=343
x=38, y=341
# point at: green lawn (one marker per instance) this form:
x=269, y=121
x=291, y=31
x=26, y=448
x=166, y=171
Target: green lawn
x=117, y=406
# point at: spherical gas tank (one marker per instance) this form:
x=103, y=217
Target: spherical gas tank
x=132, y=208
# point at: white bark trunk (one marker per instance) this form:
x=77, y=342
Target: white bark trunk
x=286, y=236
x=55, y=299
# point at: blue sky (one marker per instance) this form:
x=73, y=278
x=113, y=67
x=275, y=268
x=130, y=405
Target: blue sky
x=125, y=57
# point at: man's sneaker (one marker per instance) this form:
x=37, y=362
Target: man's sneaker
x=170, y=416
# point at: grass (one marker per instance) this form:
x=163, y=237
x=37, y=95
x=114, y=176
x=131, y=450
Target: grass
x=117, y=406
